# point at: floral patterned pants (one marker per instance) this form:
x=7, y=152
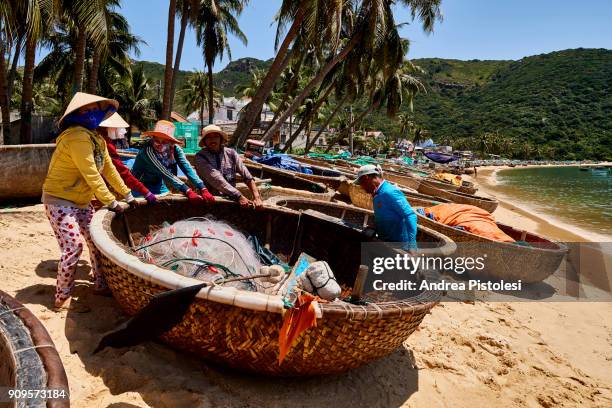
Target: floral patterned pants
x=69, y=225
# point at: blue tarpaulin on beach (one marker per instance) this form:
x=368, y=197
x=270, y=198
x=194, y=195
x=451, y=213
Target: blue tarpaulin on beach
x=440, y=157
x=282, y=161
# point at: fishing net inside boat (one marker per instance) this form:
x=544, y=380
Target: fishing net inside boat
x=205, y=249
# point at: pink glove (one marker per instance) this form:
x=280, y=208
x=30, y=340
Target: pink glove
x=150, y=197
x=208, y=198
x=194, y=199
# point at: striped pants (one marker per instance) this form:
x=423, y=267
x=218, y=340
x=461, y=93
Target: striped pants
x=71, y=227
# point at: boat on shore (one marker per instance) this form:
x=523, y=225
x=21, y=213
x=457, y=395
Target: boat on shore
x=362, y=199
x=29, y=358
x=250, y=341
x=23, y=169
x=488, y=204
x=532, y=258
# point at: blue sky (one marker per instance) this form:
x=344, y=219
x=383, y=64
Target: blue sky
x=472, y=29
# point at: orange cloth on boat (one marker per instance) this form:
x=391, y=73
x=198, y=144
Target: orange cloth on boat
x=448, y=177
x=297, y=320
x=473, y=219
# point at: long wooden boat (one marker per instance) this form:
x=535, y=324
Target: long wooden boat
x=267, y=191
x=361, y=218
x=29, y=360
x=489, y=204
x=23, y=169
x=532, y=259
x=284, y=178
x=239, y=328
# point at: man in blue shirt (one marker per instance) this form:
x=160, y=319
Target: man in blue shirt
x=395, y=219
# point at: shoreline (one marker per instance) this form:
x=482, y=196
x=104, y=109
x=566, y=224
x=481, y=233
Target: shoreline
x=513, y=210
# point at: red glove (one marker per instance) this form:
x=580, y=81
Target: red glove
x=194, y=199
x=208, y=198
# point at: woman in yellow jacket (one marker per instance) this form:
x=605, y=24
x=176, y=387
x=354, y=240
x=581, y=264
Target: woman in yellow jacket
x=74, y=178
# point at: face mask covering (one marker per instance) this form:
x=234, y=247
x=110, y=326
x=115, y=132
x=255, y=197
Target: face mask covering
x=89, y=120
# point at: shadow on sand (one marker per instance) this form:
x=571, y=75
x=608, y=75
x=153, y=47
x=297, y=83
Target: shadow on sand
x=167, y=378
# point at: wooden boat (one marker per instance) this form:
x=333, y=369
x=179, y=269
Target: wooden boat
x=23, y=169
x=267, y=191
x=29, y=360
x=362, y=199
x=240, y=329
x=488, y=204
x=505, y=261
x=360, y=218
x=284, y=178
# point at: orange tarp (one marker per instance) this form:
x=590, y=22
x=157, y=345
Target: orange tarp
x=471, y=218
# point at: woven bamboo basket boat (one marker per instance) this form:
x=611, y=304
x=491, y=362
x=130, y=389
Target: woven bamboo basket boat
x=28, y=358
x=23, y=169
x=507, y=261
x=360, y=218
x=488, y=204
x=361, y=199
x=240, y=329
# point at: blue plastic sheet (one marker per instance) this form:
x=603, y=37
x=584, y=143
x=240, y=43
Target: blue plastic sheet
x=282, y=161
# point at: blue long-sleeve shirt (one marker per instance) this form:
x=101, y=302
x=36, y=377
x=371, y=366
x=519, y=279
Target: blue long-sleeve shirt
x=395, y=219
x=154, y=175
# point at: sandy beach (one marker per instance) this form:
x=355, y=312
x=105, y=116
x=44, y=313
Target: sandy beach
x=535, y=354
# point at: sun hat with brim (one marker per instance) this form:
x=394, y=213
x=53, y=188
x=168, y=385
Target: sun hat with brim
x=81, y=99
x=115, y=121
x=367, y=170
x=212, y=130
x=164, y=130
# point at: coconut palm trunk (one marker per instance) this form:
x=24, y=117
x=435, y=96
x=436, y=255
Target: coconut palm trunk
x=313, y=84
x=4, y=100
x=92, y=88
x=25, y=132
x=326, y=124
x=79, y=61
x=169, y=56
x=177, y=60
x=13, y=72
x=249, y=116
x=211, y=96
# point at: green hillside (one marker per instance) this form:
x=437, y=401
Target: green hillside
x=560, y=100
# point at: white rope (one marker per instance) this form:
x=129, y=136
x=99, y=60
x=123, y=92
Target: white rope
x=34, y=347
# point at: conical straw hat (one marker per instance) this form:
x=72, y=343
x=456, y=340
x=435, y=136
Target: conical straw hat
x=81, y=99
x=115, y=121
x=164, y=130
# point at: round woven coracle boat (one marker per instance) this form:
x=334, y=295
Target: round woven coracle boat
x=23, y=169
x=284, y=178
x=28, y=359
x=531, y=260
x=239, y=328
x=488, y=204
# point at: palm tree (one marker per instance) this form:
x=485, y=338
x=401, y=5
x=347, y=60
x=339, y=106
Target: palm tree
x=217, y=18
x=374, y=34
x=121, y=42
x=132, y=92
x=169, y=56
x=60, y=63
x=406, y=123
x=188, y=11
x=88, y=18
x=38, y=15
x=195, y=94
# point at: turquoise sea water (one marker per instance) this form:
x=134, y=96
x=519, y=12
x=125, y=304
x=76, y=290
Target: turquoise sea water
x=581, y=198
